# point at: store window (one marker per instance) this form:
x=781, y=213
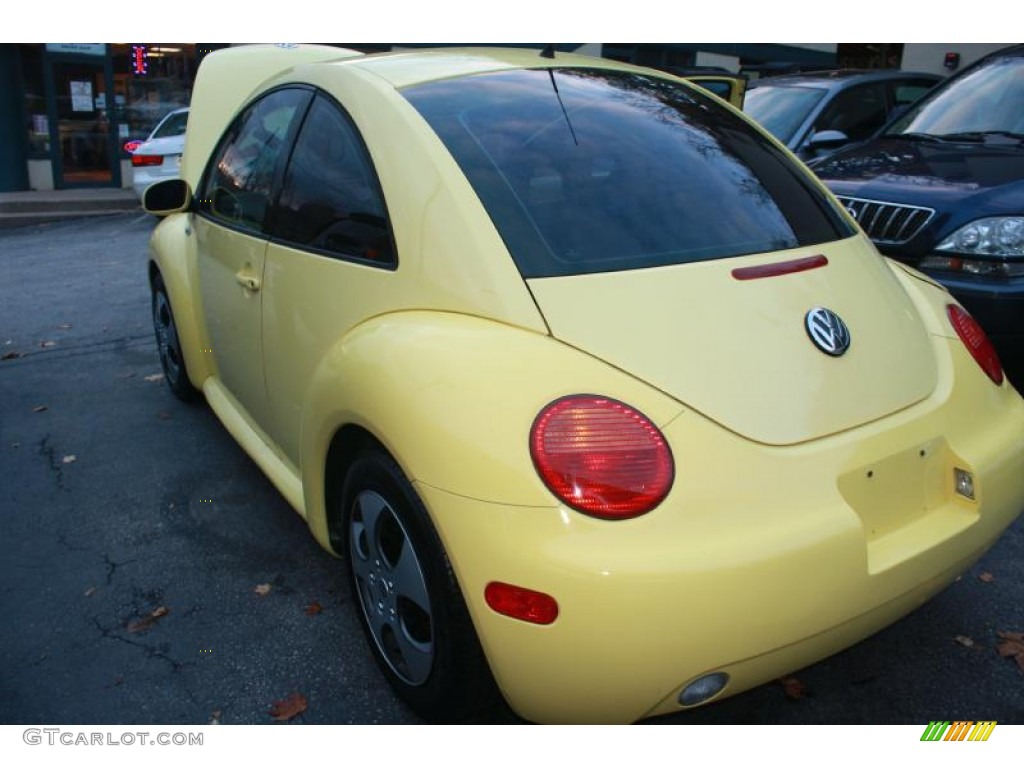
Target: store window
x=151, y=80
x=37, y=121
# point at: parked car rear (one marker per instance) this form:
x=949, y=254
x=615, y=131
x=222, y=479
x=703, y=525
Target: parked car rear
x=159, y=156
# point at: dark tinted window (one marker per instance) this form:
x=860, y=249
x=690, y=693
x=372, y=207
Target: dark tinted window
x=330, y=200
x=595, y=171
x=239, y=181
x=858, y=111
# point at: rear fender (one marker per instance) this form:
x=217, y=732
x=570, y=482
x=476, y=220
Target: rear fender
x=452, y=398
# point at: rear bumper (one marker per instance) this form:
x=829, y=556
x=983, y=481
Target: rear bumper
x=760, y=561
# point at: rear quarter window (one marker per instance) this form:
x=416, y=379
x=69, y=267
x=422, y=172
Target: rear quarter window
x=586, y=171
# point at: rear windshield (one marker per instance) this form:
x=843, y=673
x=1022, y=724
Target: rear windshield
x=587, y=171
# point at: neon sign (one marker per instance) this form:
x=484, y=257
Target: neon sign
x=139, y=64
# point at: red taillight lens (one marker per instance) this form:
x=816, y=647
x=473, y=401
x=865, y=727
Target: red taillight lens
x=601, y=457
x=976, y=341
x=139, y=160
x=521, y=603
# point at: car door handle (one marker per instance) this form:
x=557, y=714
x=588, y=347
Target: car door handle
x=248, y=281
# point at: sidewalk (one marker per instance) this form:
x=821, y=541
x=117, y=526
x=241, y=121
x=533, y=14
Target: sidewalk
x=19, y=209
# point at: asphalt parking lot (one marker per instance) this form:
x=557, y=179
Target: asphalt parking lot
x=152, y=575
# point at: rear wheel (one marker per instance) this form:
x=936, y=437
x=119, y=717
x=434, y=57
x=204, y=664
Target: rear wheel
x=410, y=604
x=169, y=345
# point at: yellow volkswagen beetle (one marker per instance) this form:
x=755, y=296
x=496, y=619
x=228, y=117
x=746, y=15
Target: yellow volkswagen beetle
x=608, y=407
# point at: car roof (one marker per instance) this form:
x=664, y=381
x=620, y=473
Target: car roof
x=836, y=79
x=404, y=69
x=230, y=77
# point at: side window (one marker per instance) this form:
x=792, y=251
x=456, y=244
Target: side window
x=905, y=94
x=331, y=199
x=239, y=181
x=858, y=112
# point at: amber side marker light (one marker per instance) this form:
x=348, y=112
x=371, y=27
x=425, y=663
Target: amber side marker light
x=601, y=457
x=521, y=603
x=976, y=341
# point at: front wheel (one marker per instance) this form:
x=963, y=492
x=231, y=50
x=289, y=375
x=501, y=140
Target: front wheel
x=410, y=605
x=169, y=345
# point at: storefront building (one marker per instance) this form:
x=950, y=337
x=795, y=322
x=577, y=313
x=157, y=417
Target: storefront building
x=69, y=109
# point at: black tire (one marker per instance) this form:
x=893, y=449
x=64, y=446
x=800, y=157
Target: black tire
x=407, y=598
x=169, y=345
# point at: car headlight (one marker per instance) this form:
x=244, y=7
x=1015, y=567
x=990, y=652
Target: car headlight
x=994, y=236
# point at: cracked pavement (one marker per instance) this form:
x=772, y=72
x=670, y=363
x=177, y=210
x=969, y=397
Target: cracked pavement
x=93, y=545
x=161, y=509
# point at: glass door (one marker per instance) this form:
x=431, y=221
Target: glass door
x=82, y=134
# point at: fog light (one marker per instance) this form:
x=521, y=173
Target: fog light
x=703, y=688
x=964, y=483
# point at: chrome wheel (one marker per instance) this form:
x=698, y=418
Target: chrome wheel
x=167, y=338
x=389, y=580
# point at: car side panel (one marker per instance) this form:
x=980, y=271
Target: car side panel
x=173, y=251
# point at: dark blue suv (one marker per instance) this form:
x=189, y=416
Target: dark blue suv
x=942, y=189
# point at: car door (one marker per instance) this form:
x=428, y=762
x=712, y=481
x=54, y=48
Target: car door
x=234, y=204
x=330, y=263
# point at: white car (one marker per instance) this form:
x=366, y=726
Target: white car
x=159, y=156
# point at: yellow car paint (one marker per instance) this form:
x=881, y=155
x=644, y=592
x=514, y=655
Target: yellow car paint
x=786, y=535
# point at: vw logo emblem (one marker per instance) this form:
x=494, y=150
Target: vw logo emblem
x=828, y=332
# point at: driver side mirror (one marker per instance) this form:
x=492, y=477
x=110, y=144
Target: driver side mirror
x=167, y=197
x=827, y=140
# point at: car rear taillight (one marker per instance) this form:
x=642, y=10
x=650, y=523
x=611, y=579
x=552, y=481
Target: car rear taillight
x=976, y=341
x=140, y=160
x=601, y=457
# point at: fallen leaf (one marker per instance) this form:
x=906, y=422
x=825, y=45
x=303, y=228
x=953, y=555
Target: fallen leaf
x=313, y=609
x=155, y=377
x=70, y=459
x=964, y=640
x=89, y=592
x=141, y=625
x=10, y=355
x=793, y=688
x=126, y=376
x=288, y=708
x=164, y=415
x=40, y=409
x=986, y=577
x=262, y=589
x=1012, y=647
x=64, y=326
x=47, y=344
x=215, y=717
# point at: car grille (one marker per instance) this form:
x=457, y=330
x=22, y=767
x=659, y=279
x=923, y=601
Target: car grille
x=887, y=223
